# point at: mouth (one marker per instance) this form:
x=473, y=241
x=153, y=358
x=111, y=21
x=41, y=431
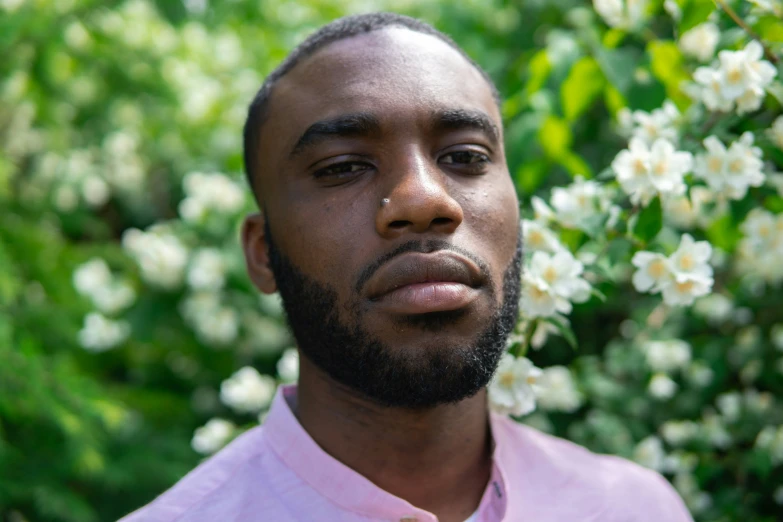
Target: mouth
x=419, y=283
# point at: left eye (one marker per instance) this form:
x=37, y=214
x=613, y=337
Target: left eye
x=464, y=157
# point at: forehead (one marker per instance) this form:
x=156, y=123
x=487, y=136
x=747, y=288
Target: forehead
x=393, y=72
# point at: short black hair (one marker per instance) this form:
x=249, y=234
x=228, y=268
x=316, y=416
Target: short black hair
x=339, y=29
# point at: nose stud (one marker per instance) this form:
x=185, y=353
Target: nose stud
x=384, y=202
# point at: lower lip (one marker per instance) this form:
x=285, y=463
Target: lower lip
x=423, y=298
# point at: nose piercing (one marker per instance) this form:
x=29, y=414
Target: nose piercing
x=384, y=202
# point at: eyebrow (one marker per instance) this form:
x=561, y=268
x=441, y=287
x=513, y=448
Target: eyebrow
x=468, y=119
x=365, y=123
x=345, y=125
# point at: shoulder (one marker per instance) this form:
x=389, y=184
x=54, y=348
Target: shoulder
x=613, y=488
x=215, y=487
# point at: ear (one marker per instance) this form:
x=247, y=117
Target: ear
x=256, y=249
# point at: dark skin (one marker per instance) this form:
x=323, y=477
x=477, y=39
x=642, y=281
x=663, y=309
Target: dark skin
x=446, y=178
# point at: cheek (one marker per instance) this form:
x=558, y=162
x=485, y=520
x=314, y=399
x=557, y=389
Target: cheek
x=325, y=241
x=493, y=215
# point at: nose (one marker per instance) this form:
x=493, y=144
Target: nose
x=418, y=200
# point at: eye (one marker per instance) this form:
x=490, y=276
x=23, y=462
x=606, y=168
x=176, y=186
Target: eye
x=465, y=157
x=341, y=170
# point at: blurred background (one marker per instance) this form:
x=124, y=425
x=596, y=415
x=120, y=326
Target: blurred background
x=132, y=343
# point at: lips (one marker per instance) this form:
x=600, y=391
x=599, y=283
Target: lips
x=422, y=283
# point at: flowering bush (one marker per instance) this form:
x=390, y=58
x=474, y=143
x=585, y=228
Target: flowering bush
x=644, y=138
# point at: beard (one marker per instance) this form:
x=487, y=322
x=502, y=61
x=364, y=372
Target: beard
x=355, y=358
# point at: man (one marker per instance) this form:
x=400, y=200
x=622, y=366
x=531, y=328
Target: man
x=390, y=226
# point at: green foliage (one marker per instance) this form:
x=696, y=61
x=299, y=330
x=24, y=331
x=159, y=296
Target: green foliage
x=108, y=108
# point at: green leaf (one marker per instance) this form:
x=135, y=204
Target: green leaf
x=722, y=233
x=539, y=69
x=650, y=221
x=555, y=137
x=618, y=66
x=667, y=65
x=584, y=84
x=770, y=28
x=566, y=331
x=695, y=12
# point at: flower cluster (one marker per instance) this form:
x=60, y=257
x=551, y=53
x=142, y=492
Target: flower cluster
x=108, y=294
x=247, y=391
x=514, y=386
x=761, y=249
x=214, y=323
x=623, y=14
x=730, y=171
x=161, y=256
x=551, y=283
x=212, y=436
x=645, y=171
x=681, y=277
x=738, y=81
x=205, y=193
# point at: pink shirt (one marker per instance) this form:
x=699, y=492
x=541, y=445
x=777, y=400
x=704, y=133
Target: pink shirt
x=277, y=472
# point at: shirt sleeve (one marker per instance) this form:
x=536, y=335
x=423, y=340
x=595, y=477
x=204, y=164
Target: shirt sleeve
x=643, y=495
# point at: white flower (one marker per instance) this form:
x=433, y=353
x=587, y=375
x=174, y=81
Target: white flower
x=91, y=276
x=288, y=365
x=662, y=387
x=731, y=171
x=667, y=356
x=210, y=192
x=213, y=323
x=679, y=211
x=114, y=297
x=207, y=270
x=623, y=14
x=775, y=132
x=673, y=8
x=100, y=333
x=716, y=308
x=95, y=191
x=678, y=433
x=247, y=391
x=514, y=385
x=161, y=256
x=212, y=436
x=773, y=7
x=739, y=79
x=701, y=41
x=541, y=211
x=551, y=283
x=691, y=260
x=537, y=237
x=557, y=390
x=729, y=405
x=575, y=204
x=93, y=279
x=681, y=278
x=653, y=272
x=761, y=248
x=658, y=124
x=649, y=453
x=644, y=172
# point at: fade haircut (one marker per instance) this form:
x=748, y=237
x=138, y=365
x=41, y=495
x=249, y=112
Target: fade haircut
x=337, y=30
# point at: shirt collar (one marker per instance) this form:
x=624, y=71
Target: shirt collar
x=347, y=488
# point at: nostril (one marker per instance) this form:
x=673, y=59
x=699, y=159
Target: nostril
x=441, y=221
x=399, y=224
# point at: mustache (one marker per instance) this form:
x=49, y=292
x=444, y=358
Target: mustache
x=422, y=247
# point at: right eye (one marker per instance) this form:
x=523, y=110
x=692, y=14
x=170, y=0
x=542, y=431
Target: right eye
x=341, y=170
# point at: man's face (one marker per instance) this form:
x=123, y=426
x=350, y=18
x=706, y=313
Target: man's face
x=392, y=220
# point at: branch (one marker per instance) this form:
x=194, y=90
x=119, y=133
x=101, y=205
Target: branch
x=745, y=27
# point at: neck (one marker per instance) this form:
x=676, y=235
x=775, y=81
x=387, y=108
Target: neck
x=438, y=459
